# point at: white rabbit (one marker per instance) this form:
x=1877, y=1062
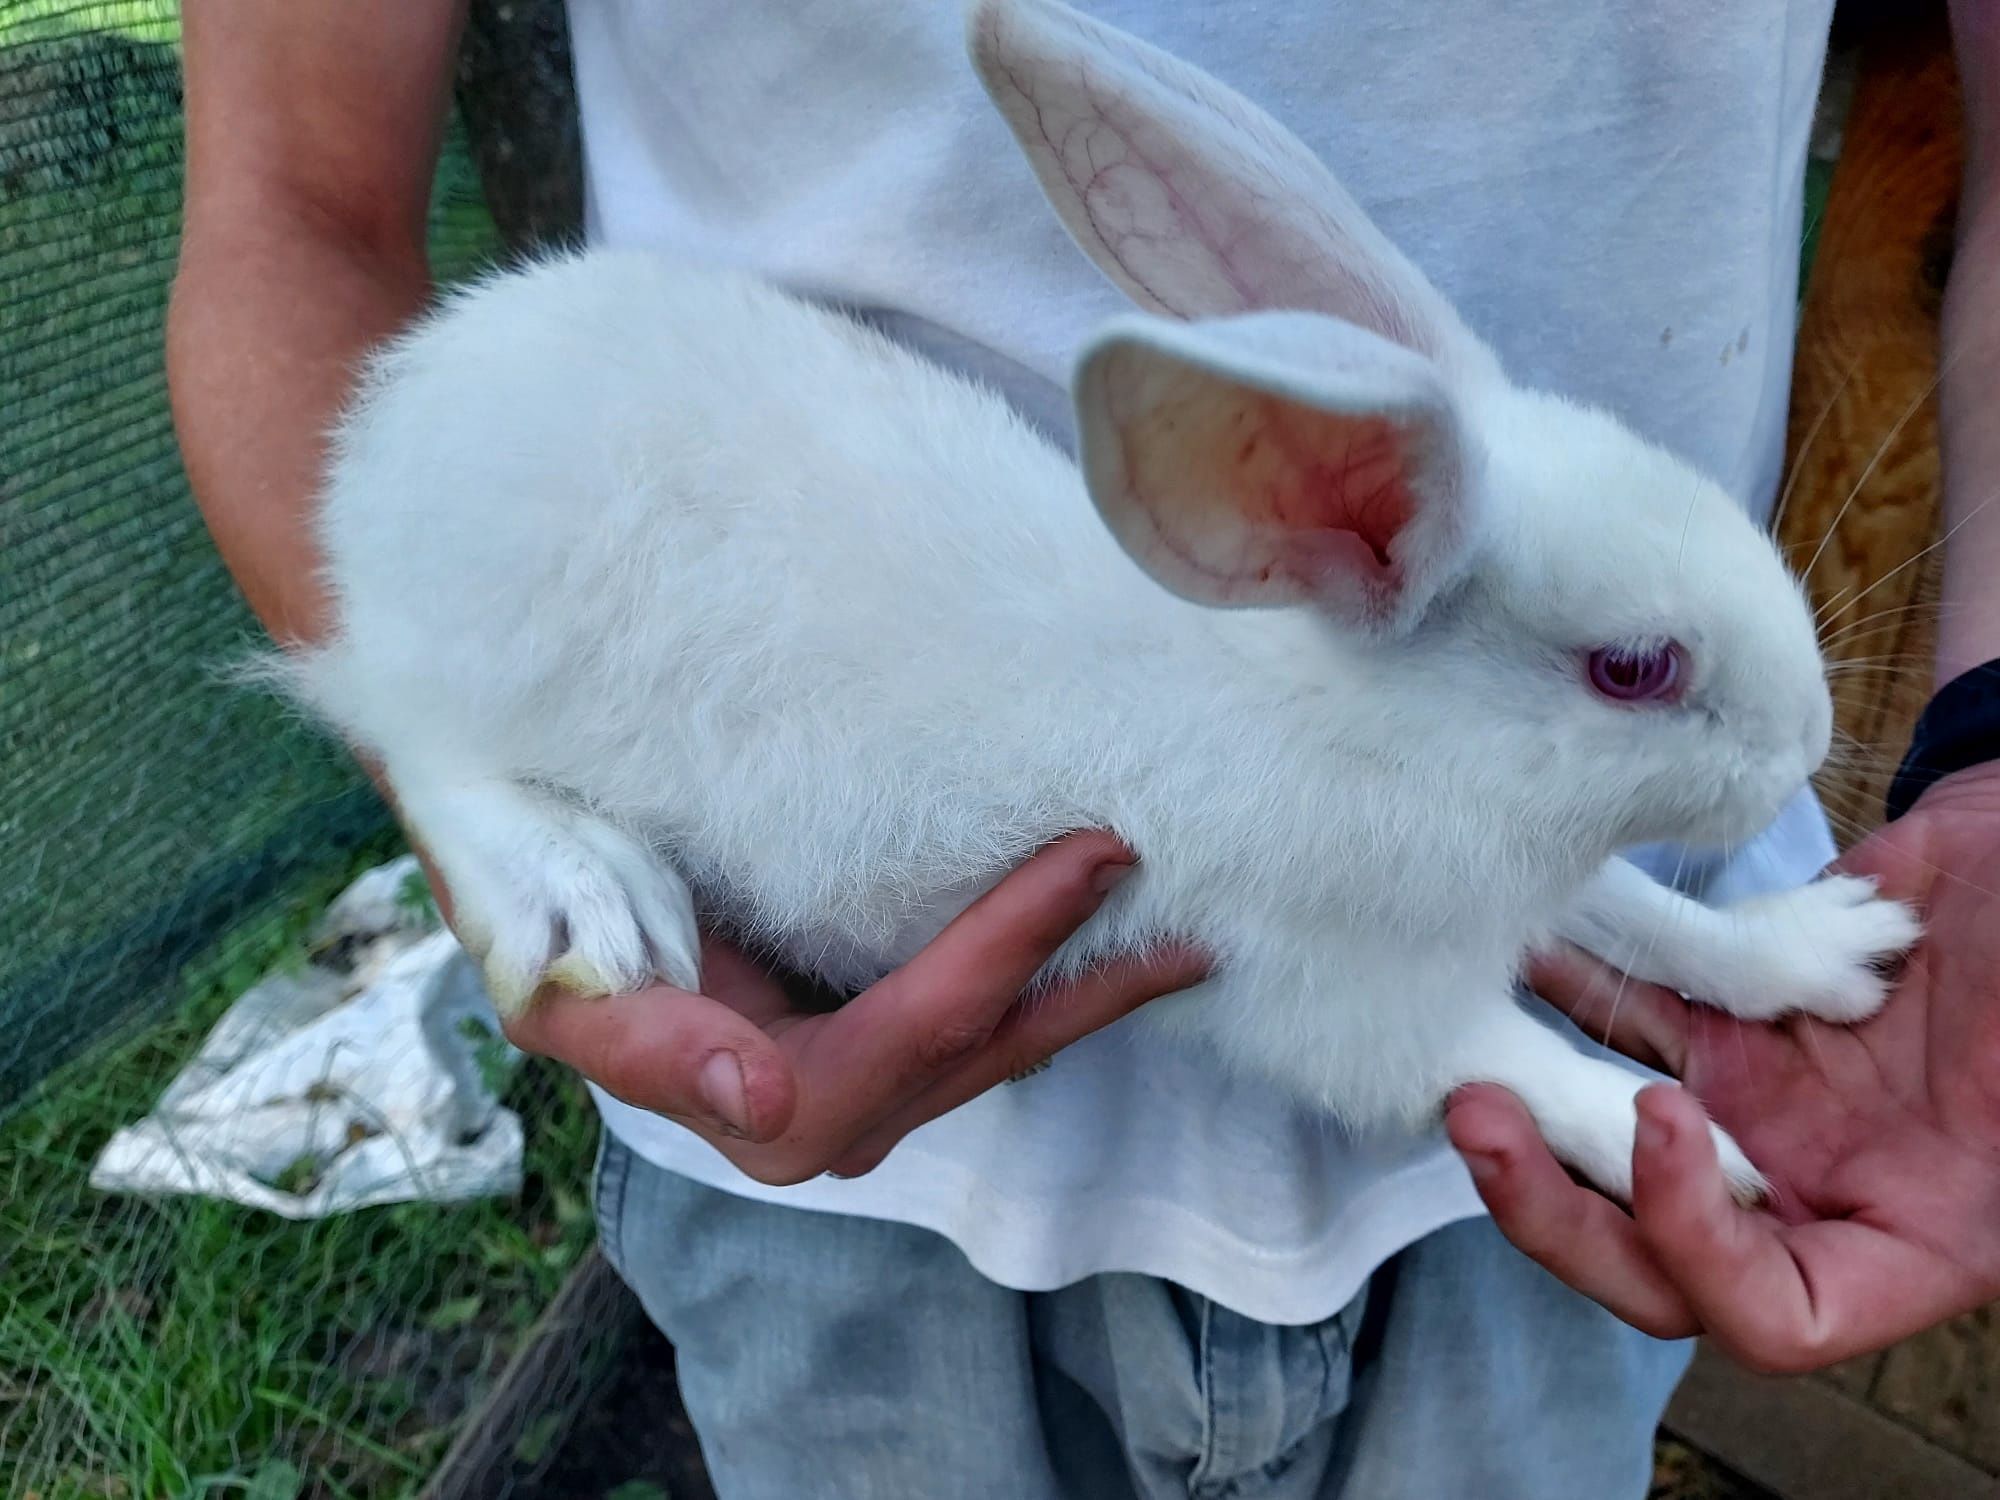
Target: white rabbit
x=653, y=583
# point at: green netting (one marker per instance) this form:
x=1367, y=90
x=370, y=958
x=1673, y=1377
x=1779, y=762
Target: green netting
x=141, y=807
x=165, y=839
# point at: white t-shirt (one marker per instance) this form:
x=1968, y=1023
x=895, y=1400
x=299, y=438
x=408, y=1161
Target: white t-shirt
x=1609, y=191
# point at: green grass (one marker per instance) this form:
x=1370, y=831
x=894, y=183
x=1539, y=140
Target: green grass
x=180, y=1347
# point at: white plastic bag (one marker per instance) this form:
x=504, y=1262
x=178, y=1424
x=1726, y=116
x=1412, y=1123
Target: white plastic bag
x=367, y=1078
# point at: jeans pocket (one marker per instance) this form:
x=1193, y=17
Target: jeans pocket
x=607, y=1195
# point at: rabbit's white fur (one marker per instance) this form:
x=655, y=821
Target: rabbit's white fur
x=650, y=578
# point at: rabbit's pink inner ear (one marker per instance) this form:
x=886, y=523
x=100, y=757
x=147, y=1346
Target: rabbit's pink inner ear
x=1336, y=487
x=1255, y=499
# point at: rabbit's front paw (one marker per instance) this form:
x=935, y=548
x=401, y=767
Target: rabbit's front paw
x=544, y=893
x=1825, y=950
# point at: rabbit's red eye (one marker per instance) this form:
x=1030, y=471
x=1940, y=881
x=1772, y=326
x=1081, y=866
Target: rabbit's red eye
x=1626, y=674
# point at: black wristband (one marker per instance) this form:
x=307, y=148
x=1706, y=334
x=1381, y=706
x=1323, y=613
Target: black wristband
x=1960, y=728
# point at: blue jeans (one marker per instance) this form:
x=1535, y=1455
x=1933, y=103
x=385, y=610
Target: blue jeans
x=832, y=1358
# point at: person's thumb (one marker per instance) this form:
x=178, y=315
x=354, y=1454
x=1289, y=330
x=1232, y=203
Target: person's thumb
x=671, y=1052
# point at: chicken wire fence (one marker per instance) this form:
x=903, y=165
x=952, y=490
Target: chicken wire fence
x=166, y=840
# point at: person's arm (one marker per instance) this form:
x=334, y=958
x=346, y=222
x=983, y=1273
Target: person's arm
x=312, y=136
x=1969, y=391
x=313, y=132
x=1883, y=1140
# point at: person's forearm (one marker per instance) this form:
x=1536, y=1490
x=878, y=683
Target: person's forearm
x=1969, y=612
x=312, y=136
x=268, y=323
x=1969, y=391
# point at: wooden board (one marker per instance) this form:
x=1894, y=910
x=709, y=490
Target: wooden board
x=517, y=95
x=1946, y=1384
x=563, y=1360
x=1808, y=1440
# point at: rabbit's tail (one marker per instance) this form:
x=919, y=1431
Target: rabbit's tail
x=306, y=681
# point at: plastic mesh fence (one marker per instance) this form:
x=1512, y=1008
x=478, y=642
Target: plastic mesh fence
x=143, y=806
x=164, y=840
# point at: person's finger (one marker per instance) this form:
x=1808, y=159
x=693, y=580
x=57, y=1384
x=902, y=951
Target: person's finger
x=745, y=985
x=1785, y=1299
x=1646, y=1022
x=1731, y=1264
x=1036, y=1029
x=945, y=1004
x=669, y=1051
x=1577, y=1235
x=1899, y=858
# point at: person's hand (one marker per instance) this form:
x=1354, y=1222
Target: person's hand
x=1882, y=1141
x=787, y=1094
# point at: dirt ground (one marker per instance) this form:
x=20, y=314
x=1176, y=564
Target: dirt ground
x=633, y=1437
x=1681, y=1473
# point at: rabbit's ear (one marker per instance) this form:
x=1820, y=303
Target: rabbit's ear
x=1193, y=200
x=1277, y=459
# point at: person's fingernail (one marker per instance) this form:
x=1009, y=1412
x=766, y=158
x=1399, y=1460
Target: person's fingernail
x=720, y=1083
x=1652, y=1134
x=1105, y=878
x=1482, y=1166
